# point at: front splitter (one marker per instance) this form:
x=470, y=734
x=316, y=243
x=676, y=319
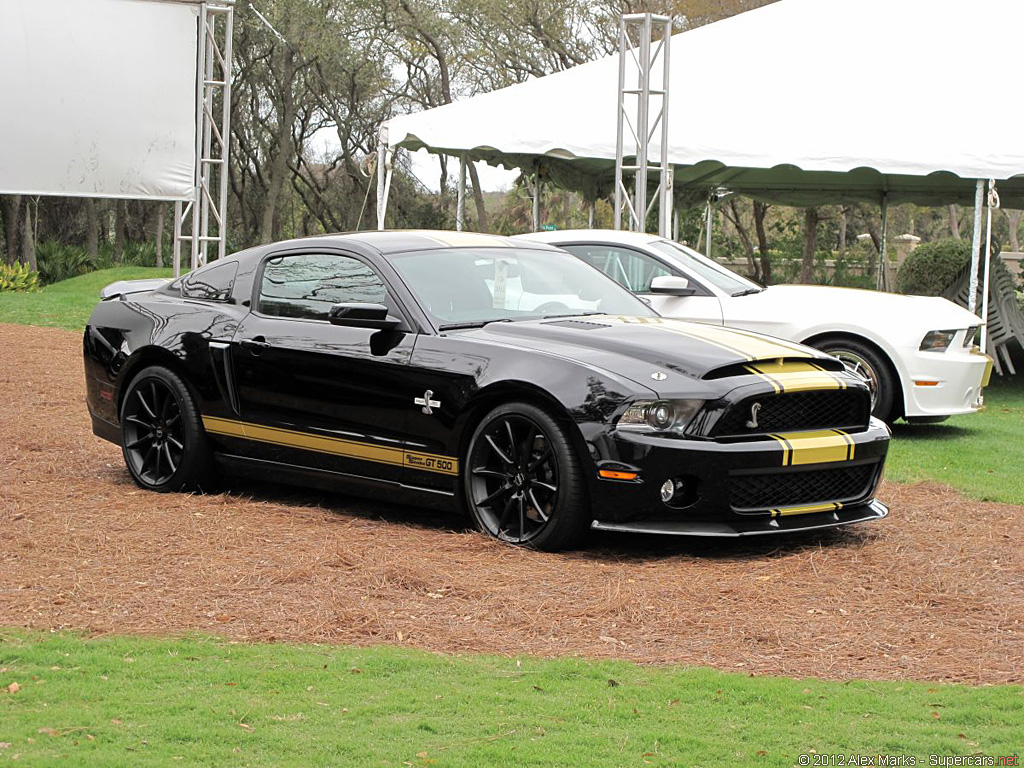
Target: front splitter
x=873, y=510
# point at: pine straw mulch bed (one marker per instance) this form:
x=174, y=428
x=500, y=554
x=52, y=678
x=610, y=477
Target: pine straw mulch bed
x=935, y=592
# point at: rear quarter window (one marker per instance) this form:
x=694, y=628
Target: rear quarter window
x=211, y=283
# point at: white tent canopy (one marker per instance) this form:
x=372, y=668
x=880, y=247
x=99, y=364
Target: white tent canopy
x=801, y=102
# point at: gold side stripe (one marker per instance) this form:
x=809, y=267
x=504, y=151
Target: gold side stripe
x=818, y=447
x=834, y=506
x=380, y=454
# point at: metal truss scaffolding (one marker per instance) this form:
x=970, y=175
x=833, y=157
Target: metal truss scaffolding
x=203, y=219
x=648, y=104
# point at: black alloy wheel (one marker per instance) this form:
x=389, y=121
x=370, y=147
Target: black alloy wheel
x=523, y=482
x=161, y=434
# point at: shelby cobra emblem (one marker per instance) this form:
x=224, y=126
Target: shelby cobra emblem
x=754, y=409
x=428, y=404
x=569, y=404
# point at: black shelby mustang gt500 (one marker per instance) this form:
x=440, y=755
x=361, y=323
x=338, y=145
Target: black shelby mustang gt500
x=452, y=368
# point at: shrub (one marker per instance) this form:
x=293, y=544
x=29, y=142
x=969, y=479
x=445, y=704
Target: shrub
x=18, y=277
x=59, y=262
x=932, y=267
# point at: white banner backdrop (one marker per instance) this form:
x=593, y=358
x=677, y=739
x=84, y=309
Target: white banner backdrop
x=97, y=98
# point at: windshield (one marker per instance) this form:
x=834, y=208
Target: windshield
x=475, y=285
x=704, y=268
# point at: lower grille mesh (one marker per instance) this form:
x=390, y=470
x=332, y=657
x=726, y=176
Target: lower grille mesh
x=751, y=493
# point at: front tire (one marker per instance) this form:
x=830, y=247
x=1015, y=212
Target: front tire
x=871, y=365
x=162, y=437
x=523, y=482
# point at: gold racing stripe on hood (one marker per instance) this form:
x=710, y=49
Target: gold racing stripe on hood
x=817, y=447
x=746, y=346
x=795, y=376
x=351, y=449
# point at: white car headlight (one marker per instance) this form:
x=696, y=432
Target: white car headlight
x=659, y=415
x=937, y=341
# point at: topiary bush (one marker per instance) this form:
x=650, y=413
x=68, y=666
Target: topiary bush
x=18, y=278
x=932, y=267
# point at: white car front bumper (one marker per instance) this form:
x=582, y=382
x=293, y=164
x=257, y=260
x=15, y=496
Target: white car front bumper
x=944, y=383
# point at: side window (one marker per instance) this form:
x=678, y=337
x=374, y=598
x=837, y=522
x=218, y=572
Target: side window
x=212, y=283
x=630, y=269
x=307, y=285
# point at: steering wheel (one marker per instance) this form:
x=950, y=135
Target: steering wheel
x=553, y=308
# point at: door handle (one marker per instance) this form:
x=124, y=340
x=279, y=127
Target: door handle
x=255, y=345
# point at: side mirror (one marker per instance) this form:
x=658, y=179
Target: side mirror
x=671, y=285
x=362, y=315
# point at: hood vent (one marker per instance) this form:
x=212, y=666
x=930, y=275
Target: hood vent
x=580, y=325
x=777, y=364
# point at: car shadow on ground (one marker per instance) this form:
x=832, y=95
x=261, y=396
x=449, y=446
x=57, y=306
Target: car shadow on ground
x=598, y=545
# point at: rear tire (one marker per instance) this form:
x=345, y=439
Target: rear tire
x=864, y=360
x=523, y=482
x=162, y=437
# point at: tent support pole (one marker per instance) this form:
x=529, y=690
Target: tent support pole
x=591, y=210
x=882, y=278
x=460, y=199
x=208, y=202
x=536, y=198
x=177, y=238
x=993, y=202
x=620, y=190
x=382, y=155
x=387, y=182
x=647, y=123
x=979, y=201
x=709, y=224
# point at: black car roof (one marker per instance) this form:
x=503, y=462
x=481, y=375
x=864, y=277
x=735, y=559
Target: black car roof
x=398, y=241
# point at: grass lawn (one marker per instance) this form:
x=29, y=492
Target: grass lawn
x=69, y=303
x=980, y=455
x=131, y=701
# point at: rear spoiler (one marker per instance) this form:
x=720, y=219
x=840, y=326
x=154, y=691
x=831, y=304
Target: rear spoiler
x=124, y=287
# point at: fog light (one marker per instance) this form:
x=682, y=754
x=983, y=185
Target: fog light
x=668, y=490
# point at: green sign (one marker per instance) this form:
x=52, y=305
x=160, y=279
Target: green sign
x=548, y=227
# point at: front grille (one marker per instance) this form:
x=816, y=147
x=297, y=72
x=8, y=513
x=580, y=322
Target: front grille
x=789, y=412
x=770, y=490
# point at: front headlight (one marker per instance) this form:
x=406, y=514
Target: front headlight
x=937, y=341
x=659, y=415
